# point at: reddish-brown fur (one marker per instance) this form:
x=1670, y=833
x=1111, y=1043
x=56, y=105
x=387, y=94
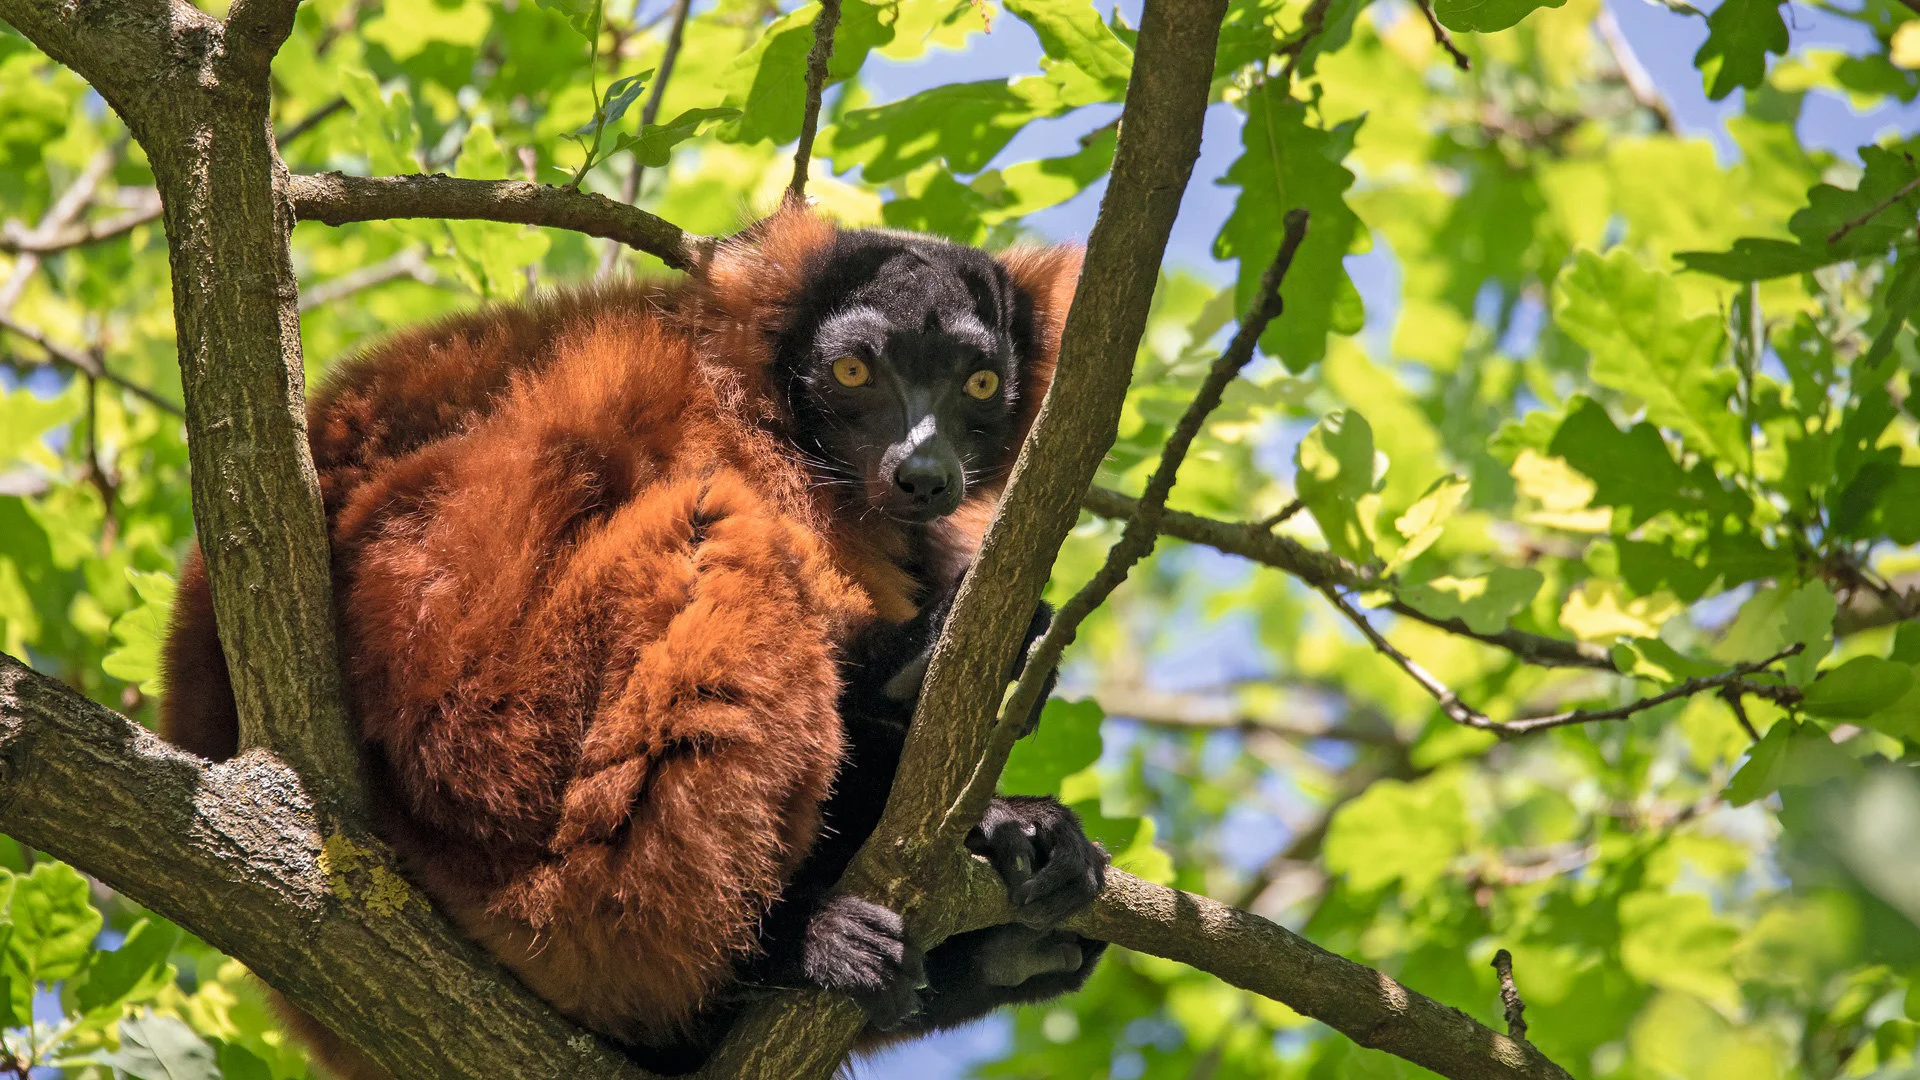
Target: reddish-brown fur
x=590, y=613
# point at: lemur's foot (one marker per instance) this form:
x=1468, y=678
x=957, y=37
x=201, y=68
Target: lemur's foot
x=1050, y=866
x=860, y=949
x=1013, y=955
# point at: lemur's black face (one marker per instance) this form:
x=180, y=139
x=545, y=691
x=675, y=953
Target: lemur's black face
x=903, y=369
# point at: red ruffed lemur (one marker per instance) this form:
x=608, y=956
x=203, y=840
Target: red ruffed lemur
x=636, y=588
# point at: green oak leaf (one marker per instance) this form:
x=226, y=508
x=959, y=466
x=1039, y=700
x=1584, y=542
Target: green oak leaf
x=1397, y=831
x=1761, y=775
x=1426, y=519
x=1628, y=317
x=962, y=124
x=1335, y=467
x=654, y=145
x=1073, y=32
x=1285, y=164
x=1740, y=34
x=1858, y=688
x=137, y=635
x=1757, y=259
x=1487, y=16
x=131, y=973
x=1633, y=470
x=1876, y=213
x=54, y=923
x=154, y=1047
x=765, y=82
x=1486, y=603
x=1066, y=740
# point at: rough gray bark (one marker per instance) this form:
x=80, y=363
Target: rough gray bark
x=194, y=92
x=235, y=853
x=272, y=864
x=955, y=748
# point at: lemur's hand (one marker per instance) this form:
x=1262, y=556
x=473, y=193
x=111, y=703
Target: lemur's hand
x=1050, y=866
x=858, y=948
x=898, y=655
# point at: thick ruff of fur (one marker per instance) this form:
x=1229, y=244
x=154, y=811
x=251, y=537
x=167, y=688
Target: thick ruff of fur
x=591, y=608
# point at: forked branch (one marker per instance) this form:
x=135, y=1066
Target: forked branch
x=1142, y=530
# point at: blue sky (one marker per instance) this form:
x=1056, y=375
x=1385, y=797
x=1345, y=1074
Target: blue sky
x=1665, y=43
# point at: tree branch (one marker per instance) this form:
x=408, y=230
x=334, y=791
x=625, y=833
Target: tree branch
x=817, y=57
x=650, y=113
x=1510, y=994
x=1253, y=954
x=15, y=240
x=1318, y=569
x=235, y=853
x=1143, y=527
x=906, y=862
x=197, y=100
x=86, y=363
x=1444, y=39
x=59, y=217
x=407, y=264
x=1460, y=712
x=336, y=199
x=1639, y=82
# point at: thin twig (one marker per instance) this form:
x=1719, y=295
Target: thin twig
x=1906, y=189
x=97, y=475
x=407, y=264
x=1143, y=528
x=1510, y=995
x=310, y=121
x=16, y=240
x=1248, y=539
x=1313, y=22
x=1466, y=715
x=649, y=114
x=82, y=362
x=1731, y=695
x=1279, y=517
x=1444, y=39
x=65, y=210
x=1646, y=93
x=817, y=58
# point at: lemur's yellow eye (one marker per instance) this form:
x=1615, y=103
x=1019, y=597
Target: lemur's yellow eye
x=981, y=384
x=851, y=371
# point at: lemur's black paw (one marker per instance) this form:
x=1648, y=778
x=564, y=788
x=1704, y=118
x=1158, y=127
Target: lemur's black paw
x=1042, y=618
x=1013, y=955
x=860, y=949
x=1052, y=869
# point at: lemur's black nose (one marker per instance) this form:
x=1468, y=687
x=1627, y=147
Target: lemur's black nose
x=924, y=477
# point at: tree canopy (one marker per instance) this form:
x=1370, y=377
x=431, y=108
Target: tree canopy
x=1535, y=610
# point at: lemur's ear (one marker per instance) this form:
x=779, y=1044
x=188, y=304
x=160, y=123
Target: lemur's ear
x=1044, y=278
x=765, y=263
x=744, y=287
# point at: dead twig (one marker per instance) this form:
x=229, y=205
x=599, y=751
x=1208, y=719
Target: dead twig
x=817, y=58
x=1444, y=39
x=1510, y=995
